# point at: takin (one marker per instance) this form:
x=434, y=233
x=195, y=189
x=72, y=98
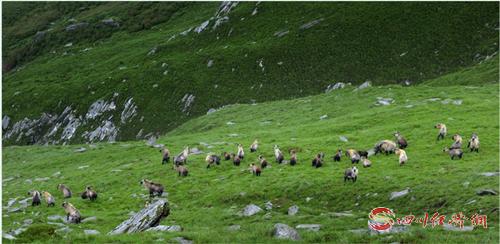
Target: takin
x=154, y=188
x=35, y=198
x=293, y=158
x=457, y=142
x=226, y=156
x=366, y=163
x=318, y=160
x=473, y=144
x=236, y=159
x=89, y=193
x=181, y=170
x=278, y=155
x=65, y=190
x=181, y=158
x=400, y=140
x=385, y=146
x=241, y=153
x=255, y=169
x=351, y=174
x=402, y=156
x=353, y=155
x=337, y=156
x=442, y=130
x=254, y=146
x=51, y=201
x=72, y=214
x=263, y=162
x=165, y=155
x=454, y=152
x=212, y=159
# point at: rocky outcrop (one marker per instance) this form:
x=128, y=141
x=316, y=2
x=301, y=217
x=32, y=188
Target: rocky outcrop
x=144, y=219
x=283, y=231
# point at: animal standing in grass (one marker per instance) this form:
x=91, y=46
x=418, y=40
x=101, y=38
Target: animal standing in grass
x=165, y=155
x=318, y=160
x=403, y=158
x=254, y=146
x=255, y=169
x=181, y=170
x=442, y=130
x=353, y=155
x=263, y=162
x=351, y=174
x=212, y=159
x=457, y=142
x=49, y=199
x=236, y=159
x=473, y=144
x=400, y=140
x=226, y=155
x=293, y=158
x=65, y=190
x=35, y=198
x=241, y=152
x=385, y=146
x=181, y=158
x=366, y=163
x=72, y=214
x=337, y=156
x=153, y=188
x=454, y=152
x=278, y=154
x=89, y=193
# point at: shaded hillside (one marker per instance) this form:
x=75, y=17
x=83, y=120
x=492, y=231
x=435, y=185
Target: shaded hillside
x=138, y=72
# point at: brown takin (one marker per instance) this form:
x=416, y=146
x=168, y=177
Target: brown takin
x=254, y=146
x=35, y=198
x=351, y=174
x=366, y=163
x=400, y=140
x=385, y=146
x=154, y=188
x=181, y=170
x=181, y=158
x=457, y=142
x=454, y=152
x=65, y=190
x=337, y=155
x=402, y=156
x=353, y=155
x=241, y=152
x=318, y=160
x=236, y=159
x=293, y=158
x=212, y=159
x=473, y=144
x=89, y=193
x=165, y=155
x=442, y=130
x=255, y=169
x=226, y=156
x=72, y=214
x=278, y=154
x=51, y=201
x=263, y=162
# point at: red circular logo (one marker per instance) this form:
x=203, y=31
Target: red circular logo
x=381, y=219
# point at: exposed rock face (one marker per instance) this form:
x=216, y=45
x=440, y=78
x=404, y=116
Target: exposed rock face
x=76, y=26
x=283, y=231
x=336, y=86
x=5, y=122
x=146, y=218
x=365, y=84
x=399, y=194
x=110, y=22
x=484, y=192
x=167, y=228
x=310, y=24
x=129, y=111
x=99, y=107
x=187, y=102
x=201, y=27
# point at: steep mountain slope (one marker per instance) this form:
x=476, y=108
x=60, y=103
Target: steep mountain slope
x=198, y=56
x=207, y=202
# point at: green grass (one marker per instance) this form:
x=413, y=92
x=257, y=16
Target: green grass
x=386, y=43
x=208, y=200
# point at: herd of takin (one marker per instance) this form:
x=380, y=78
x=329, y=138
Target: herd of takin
x=180, y=161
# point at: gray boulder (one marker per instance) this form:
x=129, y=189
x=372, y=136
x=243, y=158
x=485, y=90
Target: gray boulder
x=250, y=210
x=91, y=232
x=283, y=231
x=399, y=194
x=167, y=228
x=293, y=210
x=144, y=219
x=234, y=227
x=182, y=240
x=76, y=26
x=309, y=227
x=489, y=174
x=484, y=192
x=450, y=227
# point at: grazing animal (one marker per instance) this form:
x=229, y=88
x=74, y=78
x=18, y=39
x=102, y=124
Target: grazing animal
x=154, y=188
x=457, y=142
x=402, y=143
x=337, y=155
x=181, y=158
x=403, y=158
x=385, y=146
x=263, y=162
x=236, y=159
x=254, y=146
x=293, y=158
x=473, y=144
x=226, y=155
x=181, y=170
x=318, y=160
x=454, y=152
x=353, y=155
x=65, y=190
x=211, y=159
x=442, y=130
x=363, y=154
x=366, y=163
x=35, y=198
x=72, y=214
x=241, y=153
x=278, y=154
x=89, y=193
x=255, y=169
x=351, y=174
x=51, y=201
x=166, y=155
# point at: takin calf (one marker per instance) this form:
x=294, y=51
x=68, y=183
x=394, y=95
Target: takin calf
x=89, y=193
x=154, y=188
x=454, y=152
x=351, y=174
x=72, y=214
x=473, y=144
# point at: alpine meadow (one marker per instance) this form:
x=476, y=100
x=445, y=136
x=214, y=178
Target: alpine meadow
x=250, y=122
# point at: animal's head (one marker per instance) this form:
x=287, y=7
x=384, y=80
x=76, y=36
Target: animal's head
x=89, y=188
x=59, y=186
x=446, y=149
x=339, y=151
x=439, y=126
x=397, y=134
x=144, y=181
x=473, y=136
x=64, y=204
x=397, y=151
x=261, y=157
x=255, y=141
x=355, y=170
x=29, y=193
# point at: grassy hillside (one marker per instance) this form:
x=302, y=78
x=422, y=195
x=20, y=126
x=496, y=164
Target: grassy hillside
x=208, y=200
x=263, y=51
